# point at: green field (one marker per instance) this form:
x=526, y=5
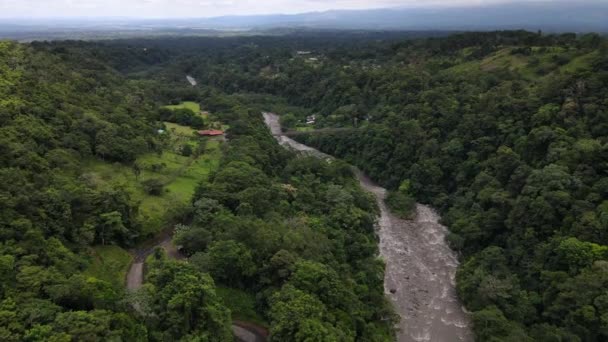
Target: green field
x=305, y=128
x=579, y=63
x=540, y=62
x=184, y=131
x=180, y=176
x=109, y=263
x=193, y=106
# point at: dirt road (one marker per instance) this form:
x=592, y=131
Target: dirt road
x=243, y=331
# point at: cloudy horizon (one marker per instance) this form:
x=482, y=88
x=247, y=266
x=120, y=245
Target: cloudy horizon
x=204, y=8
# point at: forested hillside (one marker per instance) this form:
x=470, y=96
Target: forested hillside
x=510, y=142
x=94, y=163
x=296, y=232
x=504, y=132
x=54, y=115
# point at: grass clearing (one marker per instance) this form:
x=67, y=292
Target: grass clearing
x=180, y=175
x=241, y=304
x=109, y=263
x=504, y=59
x=305, y=128
x=193, y=106
x=580, y=63
x=541, y=61
x=184, y=131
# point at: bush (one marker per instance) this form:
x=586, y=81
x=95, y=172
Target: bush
x=401, y=204
x=182, y=116
x=186, y=150
x=288, y=120
x=153, y=186
x=561, y=59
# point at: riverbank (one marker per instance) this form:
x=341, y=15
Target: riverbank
x=420, y=267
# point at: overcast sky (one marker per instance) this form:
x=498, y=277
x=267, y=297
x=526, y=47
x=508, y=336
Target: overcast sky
x=198, y=8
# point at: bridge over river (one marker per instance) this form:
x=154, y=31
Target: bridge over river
x=314, y=131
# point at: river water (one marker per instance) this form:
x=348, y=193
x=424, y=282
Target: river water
x=420, y=267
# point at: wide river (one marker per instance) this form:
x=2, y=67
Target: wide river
x=420, y=267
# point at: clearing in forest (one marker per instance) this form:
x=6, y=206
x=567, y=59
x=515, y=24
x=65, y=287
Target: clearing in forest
x=109, y=263
x=177, y=173
x=193, y=106
x=161, y=182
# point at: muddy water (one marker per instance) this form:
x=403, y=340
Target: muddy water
x=420, y=267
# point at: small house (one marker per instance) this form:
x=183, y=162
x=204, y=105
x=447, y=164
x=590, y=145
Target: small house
x=210, y=133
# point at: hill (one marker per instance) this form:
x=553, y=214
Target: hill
x=555, y=16
x=550, y=16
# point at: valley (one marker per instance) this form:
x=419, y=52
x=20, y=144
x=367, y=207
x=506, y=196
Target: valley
x=415, y=187
x=420, y=269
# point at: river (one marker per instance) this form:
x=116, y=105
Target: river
x=420, y=267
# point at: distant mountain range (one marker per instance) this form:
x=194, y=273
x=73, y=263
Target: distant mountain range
x=552, y=16
x=574, y=15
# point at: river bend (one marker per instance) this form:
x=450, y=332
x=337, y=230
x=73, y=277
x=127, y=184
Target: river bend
x=420, y=267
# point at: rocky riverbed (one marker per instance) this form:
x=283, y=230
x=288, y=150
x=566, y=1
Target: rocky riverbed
x=420, y=267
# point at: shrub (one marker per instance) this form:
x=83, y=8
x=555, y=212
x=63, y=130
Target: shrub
x=186, y=150
x=401, y=204
x=153, y=186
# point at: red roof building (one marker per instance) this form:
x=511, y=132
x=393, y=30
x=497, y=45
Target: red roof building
x=210, y=132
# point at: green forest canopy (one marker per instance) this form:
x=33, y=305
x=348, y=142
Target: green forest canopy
x=504, y=132
x=238, y=227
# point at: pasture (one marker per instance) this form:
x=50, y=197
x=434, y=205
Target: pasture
x=193, y=106
x=178, y=174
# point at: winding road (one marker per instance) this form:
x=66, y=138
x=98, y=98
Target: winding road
x=420, y=267
x=242, y=331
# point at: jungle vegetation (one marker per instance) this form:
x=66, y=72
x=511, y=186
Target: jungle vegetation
x=95, y=162
x=504, y=132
